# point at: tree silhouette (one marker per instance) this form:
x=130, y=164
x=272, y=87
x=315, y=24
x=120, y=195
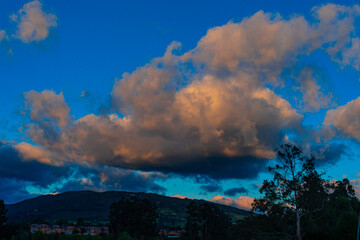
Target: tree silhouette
x=206, y=221
x=296, y=189
x=134, y=216
x=3, y=218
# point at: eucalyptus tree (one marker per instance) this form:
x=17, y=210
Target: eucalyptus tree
x=295, y=190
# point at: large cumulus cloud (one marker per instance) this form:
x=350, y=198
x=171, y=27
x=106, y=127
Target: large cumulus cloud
x=207, y=126
x=213, y=110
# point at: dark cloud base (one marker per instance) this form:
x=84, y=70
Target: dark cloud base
x=13, y=167
x=233, y=191
x=16, y=175
x=215, y=167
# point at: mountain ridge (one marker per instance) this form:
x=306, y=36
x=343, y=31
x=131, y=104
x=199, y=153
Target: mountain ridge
x=94, y=207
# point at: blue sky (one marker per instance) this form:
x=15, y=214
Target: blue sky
x=196, y=120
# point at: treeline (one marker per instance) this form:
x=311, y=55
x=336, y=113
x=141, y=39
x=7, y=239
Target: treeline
x=297, y=203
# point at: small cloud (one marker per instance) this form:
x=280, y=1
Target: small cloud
x=243, y=202
x=233, y=191
x=257, y=186
x=33, y=24
x=53, y=193
x=181, y=196
x=3, y=35
x=214, y=187
x=84, y=93
x=85, y=181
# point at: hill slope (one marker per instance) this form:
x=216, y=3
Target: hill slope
x=94, y=207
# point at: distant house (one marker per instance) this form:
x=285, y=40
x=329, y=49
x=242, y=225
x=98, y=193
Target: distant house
x=57, y=229
x=171, y=234
x=68, y=230
x=34, y=228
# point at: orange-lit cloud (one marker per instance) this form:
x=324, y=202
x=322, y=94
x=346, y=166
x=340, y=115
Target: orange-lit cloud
x=313, y=97
x=47, y=106
x=346, y=119
x=33, y=24
x=181, y=196
x=212, y=110
x=243, y=202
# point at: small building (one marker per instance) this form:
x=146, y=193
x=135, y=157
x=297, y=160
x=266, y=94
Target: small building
x=174, y=234
x=68, y=230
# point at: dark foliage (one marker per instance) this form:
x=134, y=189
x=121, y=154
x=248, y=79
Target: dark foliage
x=339, y=217
x=3, y=218
x=206, y=221
x=18, y=231
x=296, y=190
x=135, y=216
x=299, y=204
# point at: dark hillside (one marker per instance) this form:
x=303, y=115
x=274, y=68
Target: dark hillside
x=94, y=207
